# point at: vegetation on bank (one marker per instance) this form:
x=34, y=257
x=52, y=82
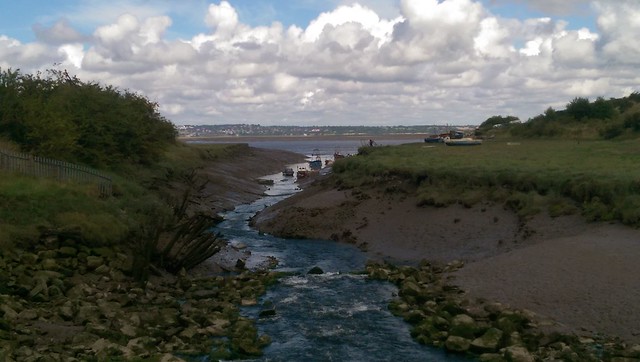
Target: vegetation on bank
x=599, y=179
x=615, y=118
x=75, y=281
x=576, y=168
x=123, y=135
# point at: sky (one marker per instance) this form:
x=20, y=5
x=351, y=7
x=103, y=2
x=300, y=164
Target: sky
x=334, y=62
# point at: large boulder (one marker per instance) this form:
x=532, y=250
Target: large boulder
x=518, y=354
x=457, y=344
x=490, y=341
x=94, y=261
x=315, y=270
x=463, y=325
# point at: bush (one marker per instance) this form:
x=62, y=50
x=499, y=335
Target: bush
x=61, y=117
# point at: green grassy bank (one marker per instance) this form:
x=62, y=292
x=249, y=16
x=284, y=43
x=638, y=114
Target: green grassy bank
x=599, y=179
x=35, y=207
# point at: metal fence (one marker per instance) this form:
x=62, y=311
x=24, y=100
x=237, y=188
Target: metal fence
x=45, y=167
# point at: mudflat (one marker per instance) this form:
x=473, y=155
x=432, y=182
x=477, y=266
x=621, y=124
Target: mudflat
x=583, y=276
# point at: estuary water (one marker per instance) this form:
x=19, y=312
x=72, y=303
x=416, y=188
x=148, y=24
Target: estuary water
x=316, y=145
x=335, y=316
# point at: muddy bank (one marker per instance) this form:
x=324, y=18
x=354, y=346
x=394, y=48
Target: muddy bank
x=582, y=275
x=233, y=181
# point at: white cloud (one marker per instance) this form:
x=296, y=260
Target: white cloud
x=223, y=18
x=572, y=50
x=365, y=19
x=418, y=61
x=619, y=23
x=73, y=53
x=60, y=33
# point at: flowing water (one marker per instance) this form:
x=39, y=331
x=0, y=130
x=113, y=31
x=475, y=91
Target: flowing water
x=335, y=316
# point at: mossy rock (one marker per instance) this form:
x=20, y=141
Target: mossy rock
x=457, y=344
x=490, y=341
x=463, y=325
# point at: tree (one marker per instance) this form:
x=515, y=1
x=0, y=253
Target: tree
x=602, y=109
x=579, y=108
x=61, y=117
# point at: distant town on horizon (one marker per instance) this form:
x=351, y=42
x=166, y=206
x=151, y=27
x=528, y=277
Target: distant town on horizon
x=258, y=130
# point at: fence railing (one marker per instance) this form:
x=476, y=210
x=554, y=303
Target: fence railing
x=25, y=163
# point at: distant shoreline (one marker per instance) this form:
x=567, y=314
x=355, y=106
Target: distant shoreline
x=243, y=139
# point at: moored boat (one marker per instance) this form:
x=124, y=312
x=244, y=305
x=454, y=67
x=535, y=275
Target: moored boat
x=288, y=171
x=434, y=138
x=316, y=162
x=465, y=141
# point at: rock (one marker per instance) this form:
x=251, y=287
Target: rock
x=84, y=338
x=267, y=313
x=28, y=259
x=168, y=357
x=67, y=251
x=188, y=333
x=141, y=344
x=463, y=325
x=128, y=330
x=204, y=294
x=49, y=264
x=218, y=327
x=490, y=357
x=494, y=308
x=409, y=288
x=264, y=340
x=104, y=252
x=457, y=344
x=240, y=246
x=518, y=354
x=414, y=316
x=104, y=348
x=102, y=270
x=489, y=341
x=67, y=311
x=94, y=262
x=315, y=270
x=510, y=321
x=240, y=264
x=87, y=313
x=39, y=289
x=28, y=314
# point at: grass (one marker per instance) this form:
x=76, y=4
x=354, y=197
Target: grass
x=599, y=178
x=31, y=205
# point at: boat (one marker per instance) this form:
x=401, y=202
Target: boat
x=434, y=138
x=288, y=171
x=316, y=163
x=465, y=141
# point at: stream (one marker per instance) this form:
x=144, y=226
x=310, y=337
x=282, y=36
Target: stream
x=335, y=316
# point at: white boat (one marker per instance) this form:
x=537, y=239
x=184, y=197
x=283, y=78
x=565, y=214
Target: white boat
x=465, y=141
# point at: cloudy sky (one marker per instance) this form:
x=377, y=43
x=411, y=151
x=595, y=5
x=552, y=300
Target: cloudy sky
x=335, y=62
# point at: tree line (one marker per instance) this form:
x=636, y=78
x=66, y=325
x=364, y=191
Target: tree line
x=602, y=118
x=59, y=116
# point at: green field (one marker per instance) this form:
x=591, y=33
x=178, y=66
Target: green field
x=600, y=179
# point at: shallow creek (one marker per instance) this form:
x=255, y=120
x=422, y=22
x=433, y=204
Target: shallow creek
x=335, y=316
